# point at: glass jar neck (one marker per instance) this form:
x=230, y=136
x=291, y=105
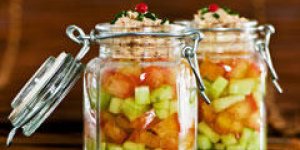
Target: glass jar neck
x=140, y=47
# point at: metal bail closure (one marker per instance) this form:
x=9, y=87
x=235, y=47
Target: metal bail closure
x=45, y=90
x=263, y=49
x=190, y=54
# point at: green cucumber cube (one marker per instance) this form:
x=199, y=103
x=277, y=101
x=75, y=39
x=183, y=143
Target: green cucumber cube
x=242, y=86
x=246, y=136
x=228, y=139
x=132, y=110
x=203, y=142
x=162, y=93
x=133, y=146
x=225, y=102
x=236, y=147
x=104, y=99
x=114, y=147
x=90, y=144
x=115, y=105
x=218, y=87
x=102, y=146
x=142, y=95
x=219, y=146
x=164, y=105
x=162, y=113
x=209, y=132
x=254, y=142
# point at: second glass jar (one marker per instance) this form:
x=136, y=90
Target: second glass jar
x=234, y=75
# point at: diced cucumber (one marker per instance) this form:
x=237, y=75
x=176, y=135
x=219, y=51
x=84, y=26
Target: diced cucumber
x=242, y=86
x=102, y=146
x=104, y=99
x=90, y=144
x=115, y=105
x=162, y=113
x=225, y=102
x=173, y=106
x=254, y=142
x=203, y=142
x=207, y=84
x=142, y=95
x=132, y=110
x=114, y=147
x=219, y=146
x=236, y=147
x=228, y=139
x=162, y=105
x=246, y=136
x=218, y=87
x=162, y=93
x=133, y=146
x=209, y=132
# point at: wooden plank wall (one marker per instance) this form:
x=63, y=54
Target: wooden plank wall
x=43, y=34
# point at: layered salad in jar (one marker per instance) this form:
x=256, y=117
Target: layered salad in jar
x=234, y=77
x=138, y=89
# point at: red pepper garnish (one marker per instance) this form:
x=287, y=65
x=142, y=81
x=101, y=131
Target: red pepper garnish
x=141, y=7
x=213, y=7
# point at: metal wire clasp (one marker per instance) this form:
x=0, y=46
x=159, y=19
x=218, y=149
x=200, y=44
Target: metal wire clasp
x=262, y=47
x=77, y=35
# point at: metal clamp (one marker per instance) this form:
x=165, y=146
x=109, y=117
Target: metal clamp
x=188, y=52
x=263, y=48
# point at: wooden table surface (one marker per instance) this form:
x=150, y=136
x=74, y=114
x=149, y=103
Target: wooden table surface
x=73, y=141
x=40, y=28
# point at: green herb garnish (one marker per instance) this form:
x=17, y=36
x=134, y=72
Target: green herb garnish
x=164, y=21
x=118, y=15
x=217, y=16
x=229, y=11
x=204, y=10
x=140, y=17
x=150, y=16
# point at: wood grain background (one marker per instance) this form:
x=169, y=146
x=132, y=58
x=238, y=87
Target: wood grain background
x=42, y=33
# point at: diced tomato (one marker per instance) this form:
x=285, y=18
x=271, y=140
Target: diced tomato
x=226, y=124
x=133, y=71
x=149, y=139
x=155, y=76
x=239, y=69
x=253, y=121
x=211, y=70
x=105, y=117
x=251, y=101
x=114, y=133
x=123, y=122
x=144, y=121
x=168, y=127
x=118, y=84
x=206, y=112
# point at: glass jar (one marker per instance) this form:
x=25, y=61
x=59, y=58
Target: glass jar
x=140, y=93
x=233, y=63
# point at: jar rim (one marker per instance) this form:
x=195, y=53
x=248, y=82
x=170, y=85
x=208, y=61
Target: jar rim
x=170, y=28
x=250, y=26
